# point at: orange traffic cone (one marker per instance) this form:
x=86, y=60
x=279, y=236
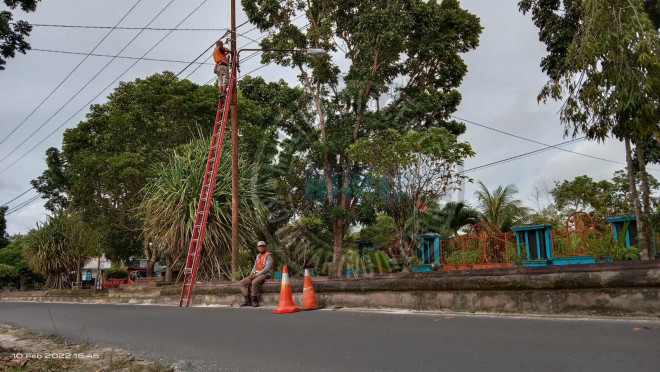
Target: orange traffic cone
x=309, y=296
x=286, y=299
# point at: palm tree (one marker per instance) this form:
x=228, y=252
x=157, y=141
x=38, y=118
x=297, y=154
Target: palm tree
x=457, y=215
x=499, y=206
x=170, y=203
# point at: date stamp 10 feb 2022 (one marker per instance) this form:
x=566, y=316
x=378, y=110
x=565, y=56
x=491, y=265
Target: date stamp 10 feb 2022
x=52, y=355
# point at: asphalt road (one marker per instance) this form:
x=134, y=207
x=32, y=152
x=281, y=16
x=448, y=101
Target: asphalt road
x=232, y=339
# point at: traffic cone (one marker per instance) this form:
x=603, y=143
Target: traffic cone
x=286, y=298
x=309, y=296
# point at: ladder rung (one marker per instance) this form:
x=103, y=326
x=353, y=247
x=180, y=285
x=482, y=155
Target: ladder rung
x=215, y=148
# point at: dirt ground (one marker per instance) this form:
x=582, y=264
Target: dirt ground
x=24, y=350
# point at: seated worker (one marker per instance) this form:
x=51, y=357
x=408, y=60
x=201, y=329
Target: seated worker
x=221, y=67
x=250, y=285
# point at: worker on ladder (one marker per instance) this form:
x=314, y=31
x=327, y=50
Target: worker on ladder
x=251, y=285
x=221, y=67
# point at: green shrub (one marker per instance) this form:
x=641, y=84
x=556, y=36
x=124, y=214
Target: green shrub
x=351, y=260
x=378, y=262
x=8, y=275
x=327, y=269
x=511, y=254
x=413, y=261
x=466, y=257
x=10, y=255
x=115, y=273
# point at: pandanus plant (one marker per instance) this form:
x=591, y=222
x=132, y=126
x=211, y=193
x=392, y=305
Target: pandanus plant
x=59, y=246
x=170, y=200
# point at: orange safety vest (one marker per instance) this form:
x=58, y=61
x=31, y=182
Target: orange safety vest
x=261, y=261
x=219, y=55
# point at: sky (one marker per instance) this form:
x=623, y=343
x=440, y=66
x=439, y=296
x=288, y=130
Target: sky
x=499, y=90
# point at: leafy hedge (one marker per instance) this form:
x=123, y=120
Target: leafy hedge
x=115, y=273
x=8, y=275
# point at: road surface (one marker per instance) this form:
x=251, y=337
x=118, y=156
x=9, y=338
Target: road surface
x=233, y=339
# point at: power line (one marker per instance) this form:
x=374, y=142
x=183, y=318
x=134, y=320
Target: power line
x=104, y=89
x=198, y=57
x=23, y=193
x=228, y=31
x=85, y=86
x=70, y=73
x=549, y=147
x=115, y=56
x=537, y=142
x=252, y=55
x=127, y=28
x=23, y=205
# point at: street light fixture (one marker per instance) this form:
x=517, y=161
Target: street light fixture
x=315, y=52
x=312, y=52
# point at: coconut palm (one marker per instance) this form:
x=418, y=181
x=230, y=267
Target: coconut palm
x=457, y=215
x=499, y=206
x=170, y=203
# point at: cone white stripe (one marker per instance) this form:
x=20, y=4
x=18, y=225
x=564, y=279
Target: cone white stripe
x=285, y=278
x=306, y=272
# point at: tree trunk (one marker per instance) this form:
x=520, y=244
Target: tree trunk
x=79, y=273
x=646, y=205
x=168, y=269
x=337, y=245
x=99, y=275
x=151, y=260
x=150, y=267
x=643, y=246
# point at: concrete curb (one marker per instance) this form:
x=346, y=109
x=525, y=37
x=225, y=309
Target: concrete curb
x=615, y=289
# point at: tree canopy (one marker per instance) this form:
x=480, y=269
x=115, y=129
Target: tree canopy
x=108, y=156
x=13, y=34
x=604, y=64
x=3, y=227
x=54, y=184
x=417, y=42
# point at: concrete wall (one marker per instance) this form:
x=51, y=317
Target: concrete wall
x=606, y=289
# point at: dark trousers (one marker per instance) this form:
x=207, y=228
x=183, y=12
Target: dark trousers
x=251, y=285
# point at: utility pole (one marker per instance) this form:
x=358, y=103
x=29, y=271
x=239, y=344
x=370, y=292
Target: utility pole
x=234, y=155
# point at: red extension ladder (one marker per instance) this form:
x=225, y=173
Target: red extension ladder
x=206, y=194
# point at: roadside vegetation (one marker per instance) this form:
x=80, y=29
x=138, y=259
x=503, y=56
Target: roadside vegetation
x=349, y=168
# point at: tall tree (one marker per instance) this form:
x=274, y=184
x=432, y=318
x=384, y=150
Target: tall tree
x=609, y=72
x=622, y=194
x=54, y=184
x=108, y=155
x=599, y=198
x=500, y=207
x=419, y=167
x=13, y=34
x=584, y=194
x=380, y=41
x=4, y=238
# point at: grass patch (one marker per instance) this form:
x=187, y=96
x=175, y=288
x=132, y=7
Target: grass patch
x=24, y=334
